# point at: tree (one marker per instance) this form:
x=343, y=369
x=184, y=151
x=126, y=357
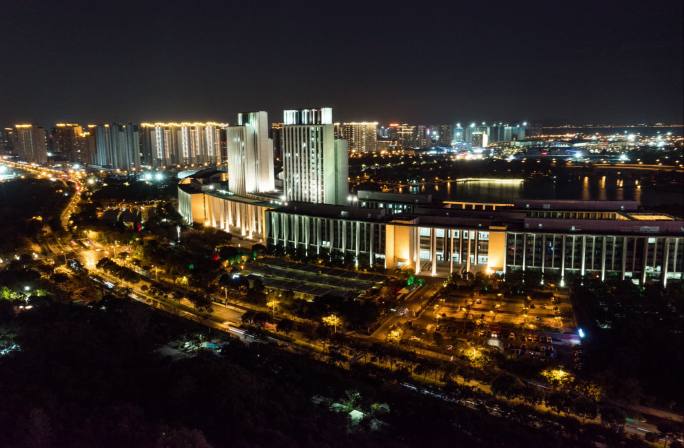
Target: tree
x=201, y=302
x=273, y=304
x=332, y=321
x=508, y=385
x=285, y=325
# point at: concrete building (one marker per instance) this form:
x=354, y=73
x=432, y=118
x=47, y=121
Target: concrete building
x=69, y=142
x=182, y=144
x=406, y=135
x=117, y=145
x=315, y=164
x=360, y=136
x=29, y=143
x=250, y=155
x=217, y=207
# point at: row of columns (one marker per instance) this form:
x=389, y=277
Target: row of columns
x=230, y=216
x=447, y=249
x=283, y=234
x=649, y=258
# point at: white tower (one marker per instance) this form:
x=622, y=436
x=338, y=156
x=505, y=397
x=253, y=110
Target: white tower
x=250, y=154
x=315, y=165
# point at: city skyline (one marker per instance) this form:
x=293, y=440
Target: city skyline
x=580, y=63
x=333, y=224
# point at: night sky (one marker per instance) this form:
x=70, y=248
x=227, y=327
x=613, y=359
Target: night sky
x=421, y=61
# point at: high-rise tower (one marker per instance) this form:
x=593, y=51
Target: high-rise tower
x=250, y=154
x=315, y=164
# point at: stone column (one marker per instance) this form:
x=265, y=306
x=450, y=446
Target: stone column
x=318, y=236
x=563, y=261
x=666, y=261
x=416, y=236
x=505, y=252
x=584, y=253
x=357, y=243
x=624, y=258
x=332, y=235
x=307, y=233
x=543, y=254
x=645, y=262
x=524, y=256
x=295, y=227
x=433, y=249
x=674, y=258
x=451, y=251
x=460, y=249
x=476, y=242
x=468, y=252
x=371, y=254
x=603, y=258
x=344, y=238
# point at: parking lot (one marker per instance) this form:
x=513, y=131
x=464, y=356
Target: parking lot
x=313, y=280
x=542, y=311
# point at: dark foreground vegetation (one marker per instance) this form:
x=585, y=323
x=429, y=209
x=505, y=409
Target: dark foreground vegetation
x=27, y=208
x=92, y=376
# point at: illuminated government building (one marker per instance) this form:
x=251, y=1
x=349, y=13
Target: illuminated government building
x=559, y=239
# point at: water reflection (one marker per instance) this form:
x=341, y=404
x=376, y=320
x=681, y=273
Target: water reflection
x=610, y=187
x=586, y=192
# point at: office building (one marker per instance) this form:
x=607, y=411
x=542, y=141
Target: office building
x=182, y=144
x=315, y=164
x=29, y=143
x=250, y=155
x=117, y=146
x=360, y=136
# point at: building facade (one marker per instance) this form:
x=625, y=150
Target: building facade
x=29, y=143
x=250, y=155
x=69, y=141
x=117, y=146
x=182, y=144
x=360, y=136
x=315, y=163
x=559, y=239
